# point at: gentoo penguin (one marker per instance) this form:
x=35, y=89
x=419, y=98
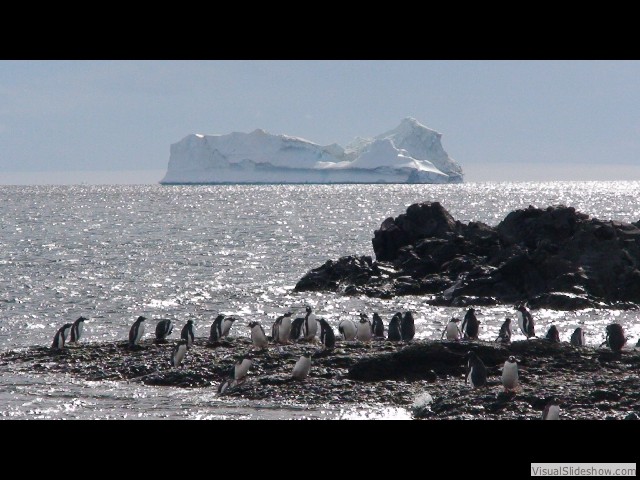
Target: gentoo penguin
x=327, y=337
x=476, y=371
x=179, y=351
x=615, y=337
x=60, y=336
x=76, y=330
x=451, y=330
x=215, y=334
x=310, y=325
x=377, y=326
x=553, y=335
x=258, y=337
x=395, y=333
x=525, y=321
x=510, y=374
x=227, y=322
x=470, y=325
x=282, y=328
x=577, y=337
x=407, y=327
x=551, y=411
x=504, y=336
x=163, y=329
x=296, y=328
x=187, y=333
x=136, y=331
x=363, y=332
x=302, y=367
x=348, y=329
x=237, y=375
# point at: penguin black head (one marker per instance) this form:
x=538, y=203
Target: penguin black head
x=507, y=320
x=253, y=324
x=219, y=317
x=471, y=309
x=190, y=322
x=364, y=318
x=81, y=319
x=141, y=319
x=512, y=359
x=308, y=309
x=454, y=319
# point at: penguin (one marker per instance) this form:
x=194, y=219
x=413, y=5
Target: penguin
x=215, y=334
x=179, y=351
x=76, y=330
x=258, y=337
x=451, y=330
x=60, y=336
x=302, y=367
x=282, y=328
x=348, y=329
x=310, y=325
x=377, y=327
x=363, y=332
x=227, y=322
x=296, y=329
x=395, y=333
x=525, y=321
x=327, y=337
x=237, y=375
x=577, y=337
x=615, y=339
x=407, y=327
x=553, y=335
x=510, y=374
x=504, y=336
x=187, y=333
x=470, y=325
x=476, y=371
x=163, y=330
x=551, y=411
x=136, y=332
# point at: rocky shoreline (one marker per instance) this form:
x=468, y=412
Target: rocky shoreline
x=589, y=383
x=554, y=258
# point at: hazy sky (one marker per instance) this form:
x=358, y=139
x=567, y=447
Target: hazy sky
x=60, y=121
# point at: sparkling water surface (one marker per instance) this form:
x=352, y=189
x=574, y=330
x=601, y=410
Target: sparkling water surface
x=111, y=253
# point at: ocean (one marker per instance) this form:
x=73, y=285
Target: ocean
x=111, y=253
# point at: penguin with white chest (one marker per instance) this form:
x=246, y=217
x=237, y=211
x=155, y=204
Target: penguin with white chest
x=525, y=321
x=407, y=327
x=395, y=333
x=510, y=375
x=327, y=336
x=363, y=332
x=258, y=337
x=179, y=352
x=577, y=337
x=226, y=325
x=451, y=330
x=61, y=336
x=310, y=325
x=553, y=335
x=551, y=411
x=377, y=326
x=76, y=330
x=215, y=334
x=163, y=329
x=504, y=335
x=136, y=332
x=237, y=374
x=281, y=329
x=476, y=371
x=187, y=334
x=302, y=367
x=348, y=329
x=470, y=325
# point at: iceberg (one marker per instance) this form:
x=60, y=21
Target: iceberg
x=410, y=153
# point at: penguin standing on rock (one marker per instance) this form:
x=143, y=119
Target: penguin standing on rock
x=237, y=375
x=163, y=330
x=525, y=321
x=363, y=332
x=187, y=333
x=327, y=337
x=61, y=336
x=215, y=333
x=76, y=330
x=451, y=330
x=615, y=339
x=258, y=337
x=377, y=326
x=310, y=325
x=470, y=325
x=407, y=327
x=227, y=322
x=504, y=336
x=179, y=352
x=282, y=328
x=136, y=332
x=553, y=335
x=348, y=329
x=302, y=367
x=476, y=371
x=395, y=333
x=296, y=329
x=577, y=337
x=510, y=375
x=551, y=411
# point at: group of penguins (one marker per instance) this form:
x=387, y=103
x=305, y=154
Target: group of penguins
x=401, y=327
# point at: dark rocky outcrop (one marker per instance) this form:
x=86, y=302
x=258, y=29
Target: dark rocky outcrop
x=554, y=257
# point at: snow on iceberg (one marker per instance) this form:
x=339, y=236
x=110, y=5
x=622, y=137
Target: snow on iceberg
x=411, y=153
